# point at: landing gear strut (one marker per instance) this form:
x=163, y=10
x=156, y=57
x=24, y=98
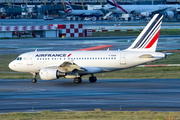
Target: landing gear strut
x=77, y=80
x=92, y=79
x=34, y=80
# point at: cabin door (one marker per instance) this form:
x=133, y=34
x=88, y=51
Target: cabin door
x=122, y=59
x=30, y=59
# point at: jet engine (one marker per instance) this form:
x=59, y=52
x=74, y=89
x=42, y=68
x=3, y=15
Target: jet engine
x=50, y=74
x=169, y=14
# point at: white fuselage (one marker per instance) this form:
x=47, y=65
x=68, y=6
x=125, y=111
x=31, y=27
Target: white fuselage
x=140, y=8
x=94, y=61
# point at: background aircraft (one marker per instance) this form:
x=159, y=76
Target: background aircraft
x=74, y=64
x=167, y=10
x=82, y=13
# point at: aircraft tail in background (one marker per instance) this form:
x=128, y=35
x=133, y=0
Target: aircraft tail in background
x=113, y=4
x=68, y=7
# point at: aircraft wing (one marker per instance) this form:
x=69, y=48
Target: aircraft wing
x=68, y=66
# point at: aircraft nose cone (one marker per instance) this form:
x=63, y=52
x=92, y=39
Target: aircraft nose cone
x=12, y=65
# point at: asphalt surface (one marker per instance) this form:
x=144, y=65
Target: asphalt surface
x=19, y=46
x=106, y=94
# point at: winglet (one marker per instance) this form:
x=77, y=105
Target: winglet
x=147, y=40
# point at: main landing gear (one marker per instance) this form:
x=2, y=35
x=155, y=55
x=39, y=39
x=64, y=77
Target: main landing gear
x=79, y=79
x=92, y=79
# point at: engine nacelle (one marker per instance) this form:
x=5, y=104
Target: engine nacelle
x=50, y=74
x=169, y=14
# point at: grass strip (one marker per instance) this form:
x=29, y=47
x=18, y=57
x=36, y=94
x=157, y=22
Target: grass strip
x=92, y=115
x=132, y=73
x=133, y=33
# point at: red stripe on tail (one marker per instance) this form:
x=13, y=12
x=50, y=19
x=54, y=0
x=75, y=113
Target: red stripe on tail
x=153, y=40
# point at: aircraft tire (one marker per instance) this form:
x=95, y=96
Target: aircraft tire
x=77, y=80
x=92, y=79
x=34, y=80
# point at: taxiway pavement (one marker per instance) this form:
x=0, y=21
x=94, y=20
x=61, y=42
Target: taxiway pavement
x=20, y=95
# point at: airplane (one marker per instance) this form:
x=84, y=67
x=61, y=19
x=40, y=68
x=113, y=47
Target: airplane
x=74, y=64
x=82, y=13
x=167, y=10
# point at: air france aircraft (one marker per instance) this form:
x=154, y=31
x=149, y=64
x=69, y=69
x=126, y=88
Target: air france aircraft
x=74, y=64
x=83, y=13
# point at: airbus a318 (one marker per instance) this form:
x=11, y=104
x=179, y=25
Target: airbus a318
x=74, y=64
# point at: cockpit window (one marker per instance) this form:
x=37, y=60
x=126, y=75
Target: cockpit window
x=19, y=58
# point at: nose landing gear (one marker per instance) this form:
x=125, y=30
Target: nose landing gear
x=34, y=80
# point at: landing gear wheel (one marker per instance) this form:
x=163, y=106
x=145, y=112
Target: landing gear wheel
x=77, y=80
x=92, y=79
x=34, y=80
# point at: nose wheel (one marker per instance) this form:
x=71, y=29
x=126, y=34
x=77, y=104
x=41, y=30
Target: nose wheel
x=77, y=80
x=34, y=80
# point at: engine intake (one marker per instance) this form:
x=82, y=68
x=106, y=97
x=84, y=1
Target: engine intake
x=169, y=14
x=50, y=74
